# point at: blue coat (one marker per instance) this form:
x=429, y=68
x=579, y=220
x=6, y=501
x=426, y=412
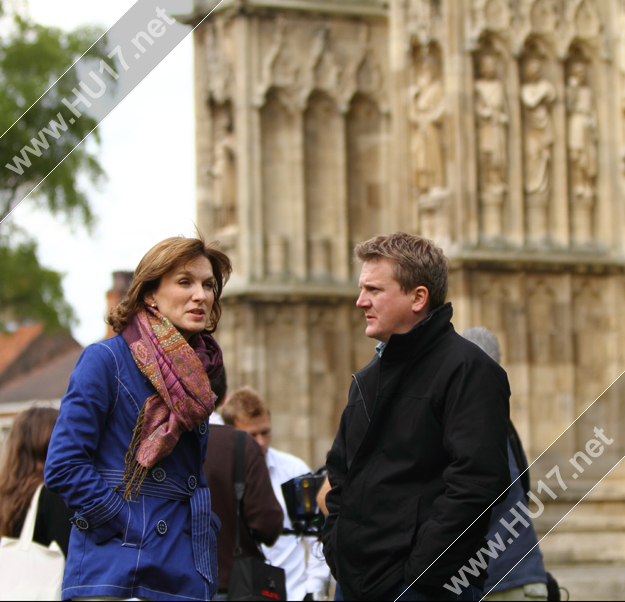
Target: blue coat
x=146, y=548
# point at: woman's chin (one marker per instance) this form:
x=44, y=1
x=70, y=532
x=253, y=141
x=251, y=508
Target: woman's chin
x=188, y=330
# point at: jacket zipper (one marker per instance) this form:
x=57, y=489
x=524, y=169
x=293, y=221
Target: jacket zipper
x=364, y=403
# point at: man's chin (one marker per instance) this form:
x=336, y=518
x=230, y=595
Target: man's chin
x=372, y=333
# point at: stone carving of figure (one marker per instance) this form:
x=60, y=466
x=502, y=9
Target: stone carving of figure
x=427, y=113
x=223, y=171
x=426, y=116
x=537, y=96
x=582, y=143
x=492, y=124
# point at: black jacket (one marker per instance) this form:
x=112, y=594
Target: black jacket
x=420, y=453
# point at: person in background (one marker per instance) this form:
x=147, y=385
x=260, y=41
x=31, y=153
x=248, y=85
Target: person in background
x=261, y=514
x=25, y=456
x=300, y=557
x=127, y=452
x=507, y=579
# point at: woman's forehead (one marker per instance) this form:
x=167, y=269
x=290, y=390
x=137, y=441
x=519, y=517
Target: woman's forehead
x=199, y=267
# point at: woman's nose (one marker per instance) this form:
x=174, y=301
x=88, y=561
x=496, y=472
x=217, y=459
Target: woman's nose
x=199, y=294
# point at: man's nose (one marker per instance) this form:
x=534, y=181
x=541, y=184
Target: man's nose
x=363, y=301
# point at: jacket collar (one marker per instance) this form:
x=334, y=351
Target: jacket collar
x=419, y=339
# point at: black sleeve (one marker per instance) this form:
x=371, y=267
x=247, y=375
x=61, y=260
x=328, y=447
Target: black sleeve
x=52, y=522
x=336, y=464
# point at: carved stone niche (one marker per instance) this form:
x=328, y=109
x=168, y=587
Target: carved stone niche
x=492, y=120
x=223, y=167
x=427, y=116
x=538, y=95
x=581, y=116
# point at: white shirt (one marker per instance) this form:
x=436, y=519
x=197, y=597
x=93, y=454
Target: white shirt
x=215, y=418
x=290, y=551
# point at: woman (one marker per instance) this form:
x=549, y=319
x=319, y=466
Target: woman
x=22, y=473
x=128, y=449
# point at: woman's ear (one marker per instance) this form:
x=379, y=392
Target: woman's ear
x=148, y=299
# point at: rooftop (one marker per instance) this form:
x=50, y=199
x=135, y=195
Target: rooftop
x=13, y=344
x=45, y=383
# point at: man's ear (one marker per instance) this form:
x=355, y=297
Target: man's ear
x=421, y=298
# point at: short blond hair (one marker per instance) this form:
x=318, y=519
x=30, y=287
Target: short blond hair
x=244, y=403
x=416, y=262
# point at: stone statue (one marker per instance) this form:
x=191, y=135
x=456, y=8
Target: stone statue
x=223, y=171
x=537, y=96
x=427, y=110
x=492, y=124
x=582, y=147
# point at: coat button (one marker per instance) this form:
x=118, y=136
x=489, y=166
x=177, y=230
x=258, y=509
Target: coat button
x=202, y=428
x=161, y=527
x=81, y=523
x=159, y=474
x=192, y=482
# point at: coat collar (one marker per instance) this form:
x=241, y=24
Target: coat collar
x=418, y=340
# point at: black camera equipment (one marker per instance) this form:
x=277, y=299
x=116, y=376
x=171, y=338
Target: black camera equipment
x=300, y=495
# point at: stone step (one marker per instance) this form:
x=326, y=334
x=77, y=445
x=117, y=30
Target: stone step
x=591, y=582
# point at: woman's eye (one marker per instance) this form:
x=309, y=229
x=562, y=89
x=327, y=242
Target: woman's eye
x=184, y=281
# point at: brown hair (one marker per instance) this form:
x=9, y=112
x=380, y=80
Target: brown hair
x=219, y=386
x=244, y=403
x=161, y=259
x=25, y=456
x=416, y=262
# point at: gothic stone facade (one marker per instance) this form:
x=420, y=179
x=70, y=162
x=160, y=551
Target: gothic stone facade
x=495, y=127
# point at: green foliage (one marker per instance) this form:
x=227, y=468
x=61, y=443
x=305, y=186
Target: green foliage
x=32, y=59
x=29, y=291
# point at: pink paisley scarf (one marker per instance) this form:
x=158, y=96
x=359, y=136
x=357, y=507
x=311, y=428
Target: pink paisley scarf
x=180, y=372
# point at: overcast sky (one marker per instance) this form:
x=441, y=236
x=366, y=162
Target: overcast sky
x=148, y=152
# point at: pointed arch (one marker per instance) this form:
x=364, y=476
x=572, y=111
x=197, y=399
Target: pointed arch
x=365, y=183
x=278, y=174
x=323, y=146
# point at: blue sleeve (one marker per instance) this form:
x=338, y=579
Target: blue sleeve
x=92, y=395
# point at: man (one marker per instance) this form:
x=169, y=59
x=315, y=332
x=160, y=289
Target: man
x=420, y=454
x=518, y=573
x=261, y=513
x=301, y=559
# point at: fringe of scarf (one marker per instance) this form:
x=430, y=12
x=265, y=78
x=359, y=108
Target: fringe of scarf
x=134, y=473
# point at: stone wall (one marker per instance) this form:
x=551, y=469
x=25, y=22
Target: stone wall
x=495, y=127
